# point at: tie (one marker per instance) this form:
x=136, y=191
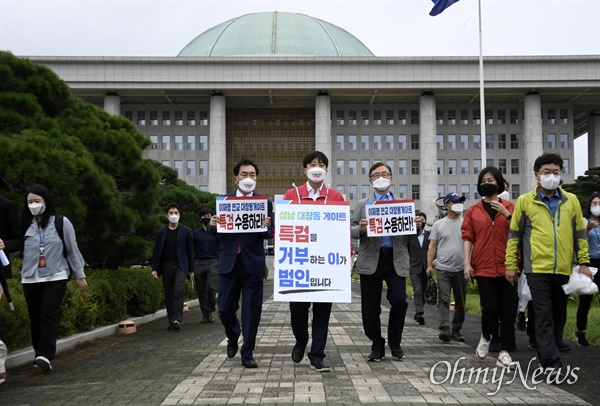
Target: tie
x=239, y=249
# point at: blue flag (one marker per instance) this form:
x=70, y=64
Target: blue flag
x=440, y=5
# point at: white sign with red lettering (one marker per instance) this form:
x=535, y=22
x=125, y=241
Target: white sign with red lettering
x=242, y=214
x=388, y=218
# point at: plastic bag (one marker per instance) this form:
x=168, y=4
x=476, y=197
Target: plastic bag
x=523, y=292
x=431, y=293
x=579, y=283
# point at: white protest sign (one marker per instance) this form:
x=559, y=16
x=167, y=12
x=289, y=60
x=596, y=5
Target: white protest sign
x=241, y=214
x=312, y=252
x=390, y=217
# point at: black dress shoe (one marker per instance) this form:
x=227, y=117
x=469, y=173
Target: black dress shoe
x=232, y=347
x=420, y=319
x=298, y=352
x=249, y=363
x=319, y=365
x=562, y=347
x=397, y=352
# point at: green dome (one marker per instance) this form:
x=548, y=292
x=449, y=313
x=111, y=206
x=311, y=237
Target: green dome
x=275, y=34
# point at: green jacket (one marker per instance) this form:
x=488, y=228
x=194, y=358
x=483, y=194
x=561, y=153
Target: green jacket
x=547, y=244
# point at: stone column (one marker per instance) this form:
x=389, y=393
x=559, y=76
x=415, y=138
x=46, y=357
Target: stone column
x=217, y=163
x=112, y=104
x=323, y=130
x=428, y=157
x=533, y=140
x=593, y=125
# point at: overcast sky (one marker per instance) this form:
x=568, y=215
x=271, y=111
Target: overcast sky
x=387, y=28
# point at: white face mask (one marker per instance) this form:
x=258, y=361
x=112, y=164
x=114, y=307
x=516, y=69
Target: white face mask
x=316, y=174
x=37, y=208
x=247, y=185
x=174, y=218
x=550, y=181
x=595, y=211
x=381, y=184
x=504, y=195
x=457, y=208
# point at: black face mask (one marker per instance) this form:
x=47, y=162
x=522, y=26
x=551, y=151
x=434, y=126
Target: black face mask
x=205, y=221
x=488, y=189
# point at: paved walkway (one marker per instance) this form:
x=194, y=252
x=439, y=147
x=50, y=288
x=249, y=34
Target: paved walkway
x=156, y=367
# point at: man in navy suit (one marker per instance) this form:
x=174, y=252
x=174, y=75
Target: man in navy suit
x=242, y=269
x=173, y=258
x=418, y=268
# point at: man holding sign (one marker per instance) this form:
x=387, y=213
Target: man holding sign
x=384, y=228
x=242, y=263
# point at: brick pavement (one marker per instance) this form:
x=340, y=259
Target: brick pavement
x=156, y=367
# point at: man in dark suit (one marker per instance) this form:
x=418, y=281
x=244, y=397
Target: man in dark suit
x=242, y=269
x=418, y=268
x=173, y=258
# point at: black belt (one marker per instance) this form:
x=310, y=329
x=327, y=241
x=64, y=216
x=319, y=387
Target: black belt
x=386, y=250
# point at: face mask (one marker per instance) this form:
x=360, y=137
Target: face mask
x=247, y=185
x=205, y=221
x=504, y=195
x=37, y=208
x=381, y=184
x=316, y=174
x=457, y=208
x=550, y=181
x=174, y=219
x=595, y=211
x=488, y=189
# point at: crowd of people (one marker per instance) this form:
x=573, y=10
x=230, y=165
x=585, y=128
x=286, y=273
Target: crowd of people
x=540, y=237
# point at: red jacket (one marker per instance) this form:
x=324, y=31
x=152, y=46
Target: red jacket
x=489, y=239
x=326, y=195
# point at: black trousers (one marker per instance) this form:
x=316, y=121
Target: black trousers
x=497, y=299
x=585, y=301
x=43, y=304
x=371, y=287
x=419, y=283
x=205, y=275
x=174, y=285
x=550, y=305
x=320, y=326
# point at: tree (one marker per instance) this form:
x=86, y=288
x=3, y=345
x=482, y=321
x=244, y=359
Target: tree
x=585, y=185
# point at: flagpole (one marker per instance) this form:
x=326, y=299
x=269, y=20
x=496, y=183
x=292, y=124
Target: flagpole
x=481, y=95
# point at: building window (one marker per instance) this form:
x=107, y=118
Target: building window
x=129, y=115
x=179, y=118
x=203, y=117
x=476, y=141
x=501, y=141
x=178, y=166
x=389, y=142
x=166, y=162
x=439, y=141
x=141, y=117
x=416, y=192
x=365, y=190
x=514, y=166
x=489, y=117
x=414, y=117
x=190, y=169
x=364, y=117
x=166, y=118
x=341, y=189
x=441, y=190
x=475, y=194
x=452, y=167
x=514, y=116
x=402, y=167
x=502, y=166
x=452, y=188
x=352, y=142
x=154, y=117
x=402, y=141
x=389, y=117
x=166, y=143
x=376, y=117
x=502, y=116
x=566, y=166
x=440, y=166
x=353, y=192
x=352, y=117
x=203, y=188
x=340, y=165
x=451, y=117
x=365, y=164
x=564, y=140
x=339, y=117
x=191, y=143
x=178, y=143
x=551, y=119
x=154, y=142
x=403, y=191
x=476, y=166
x=465, y=191
x=489, y=162
x=191, y=118
x=203, y=168
x=464, y=141
x=353, y=167
x=489, y=141
x=414, y=166
x=516, y=191
x=551, y=141
x=564, y=116
x=464, y=167
x=439, y=117
x=392, y=164
x=339, y=142
x=203, y=146
x=402, y=117
x=476, y=117
x=414, y=141
x=464, y=117
x=514, y=141
x=377, y=142
x=364, y=142
x=451, y=141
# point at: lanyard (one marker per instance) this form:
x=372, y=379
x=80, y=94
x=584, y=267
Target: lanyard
x=41, y=232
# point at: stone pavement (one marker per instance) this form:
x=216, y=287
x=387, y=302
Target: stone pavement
x=156, y=367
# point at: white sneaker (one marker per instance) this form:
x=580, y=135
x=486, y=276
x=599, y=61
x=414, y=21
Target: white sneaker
x=482, y=348
x=505, y=361
x=43, y=363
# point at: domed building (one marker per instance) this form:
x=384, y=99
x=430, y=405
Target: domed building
x=274, y=86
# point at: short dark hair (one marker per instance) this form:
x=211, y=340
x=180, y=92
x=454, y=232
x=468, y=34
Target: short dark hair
x=587, y=210
x=244, y=161
x=308, y=158
x=547, y=158
x=377, y=165
x=495, y=172
x=422, y=214
x=204, y=211
x=172, y=206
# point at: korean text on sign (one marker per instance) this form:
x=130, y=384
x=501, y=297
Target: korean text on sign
x=391, y=217
x=241, y=214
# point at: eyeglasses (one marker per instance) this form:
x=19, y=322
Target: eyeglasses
x=384, y=175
